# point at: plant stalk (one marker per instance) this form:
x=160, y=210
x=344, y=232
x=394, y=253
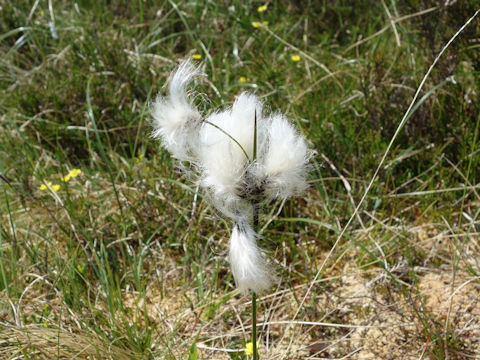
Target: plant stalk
x=254, y=325
x=254, y=296
x=255, y=226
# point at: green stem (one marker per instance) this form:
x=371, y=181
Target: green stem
x=255, y=226
x=254, y=325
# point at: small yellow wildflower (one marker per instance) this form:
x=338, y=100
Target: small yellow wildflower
x=72, y=174
x=257, y=24
x=242, y=79
x=295, y=58
x=249, y=348
x=75, y=172
x=197, y=56
x=55, y=187
x=45, y=187
x=262, y=8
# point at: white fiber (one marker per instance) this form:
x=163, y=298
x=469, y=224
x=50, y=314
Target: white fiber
x=249, y=266
x=226, y=147
x=175, y=118
x=285, y=159
x=219, y=154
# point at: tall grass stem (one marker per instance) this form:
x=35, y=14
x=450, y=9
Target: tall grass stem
x=254, y=296
x=254, y=325
x=255, y=228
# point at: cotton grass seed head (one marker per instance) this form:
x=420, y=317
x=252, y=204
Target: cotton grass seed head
x=284, y=162
x=234, y=173
x=175, y=118
x=249, y=266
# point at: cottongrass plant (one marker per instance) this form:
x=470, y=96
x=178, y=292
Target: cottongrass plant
x=239, y=157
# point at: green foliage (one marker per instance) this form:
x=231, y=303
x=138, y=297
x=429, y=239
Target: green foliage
x=131, y=233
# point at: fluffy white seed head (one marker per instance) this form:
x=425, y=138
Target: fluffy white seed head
x=220, y=151
x=249, y=267
x=175, y=118
x=284, y=161
x=226, y=148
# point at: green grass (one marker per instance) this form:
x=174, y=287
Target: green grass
x=127, y=261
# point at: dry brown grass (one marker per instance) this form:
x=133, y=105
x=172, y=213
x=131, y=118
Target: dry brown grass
x=44, y=343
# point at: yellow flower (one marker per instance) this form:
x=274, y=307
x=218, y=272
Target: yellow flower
x=249, y=348
x=295, y=58
x=257, y=24
x=72, y=174
x=49, y=184
x=262, y=8
x=45, y=187
x=242, y=79
x=197, y=56
x=75, y=172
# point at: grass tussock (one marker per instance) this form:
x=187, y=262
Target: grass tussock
x=36, y=342
x=128, y=261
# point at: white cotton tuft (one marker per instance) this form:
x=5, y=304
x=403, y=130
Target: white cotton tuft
x=284, y=162
x=225, y=148
x=175, y=118
x=219, y=151
x=249, y=266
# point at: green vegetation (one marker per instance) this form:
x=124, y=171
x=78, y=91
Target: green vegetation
x=126, y=260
